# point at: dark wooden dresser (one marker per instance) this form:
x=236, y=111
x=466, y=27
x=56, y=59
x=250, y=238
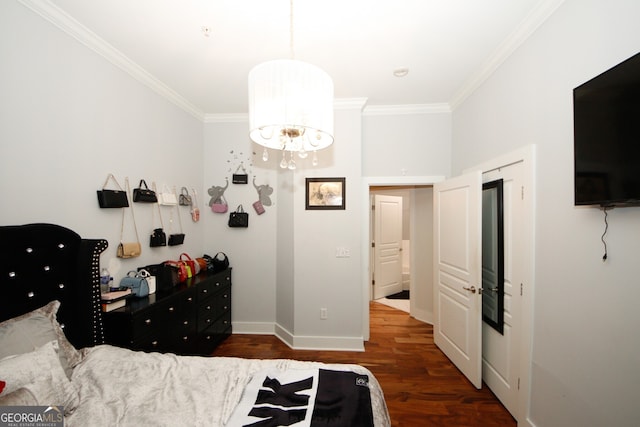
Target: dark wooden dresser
x=190, y=319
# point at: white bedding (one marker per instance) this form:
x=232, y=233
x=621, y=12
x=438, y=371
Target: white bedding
x=120, y=387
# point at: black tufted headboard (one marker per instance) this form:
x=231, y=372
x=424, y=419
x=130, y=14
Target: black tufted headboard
x=44, y=262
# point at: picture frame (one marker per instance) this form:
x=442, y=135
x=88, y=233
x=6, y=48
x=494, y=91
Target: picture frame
x=325, y=193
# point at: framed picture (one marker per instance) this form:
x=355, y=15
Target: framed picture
x=325, y=193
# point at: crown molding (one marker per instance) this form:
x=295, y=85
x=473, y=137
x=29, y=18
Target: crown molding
x=75, y=29
x=349, y=103
x=391, y=110
x=526, y=28
x=226, y=118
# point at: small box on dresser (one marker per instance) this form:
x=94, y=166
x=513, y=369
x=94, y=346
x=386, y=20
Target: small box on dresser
x=190, y=319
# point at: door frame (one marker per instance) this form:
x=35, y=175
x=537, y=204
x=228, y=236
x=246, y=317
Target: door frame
x=369, y=181
x=526, y=156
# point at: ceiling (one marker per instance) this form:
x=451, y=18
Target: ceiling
x=448, y=46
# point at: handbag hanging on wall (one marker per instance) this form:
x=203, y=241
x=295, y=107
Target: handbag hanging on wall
x=184, y=199
x=167, y=197
x=195, y=210
x=112, y=198
x=175, y=239
x=220, y=205
x=240, y=178
x=144, y=194
x=158, y=236
x=129, y=249
x=239, y=218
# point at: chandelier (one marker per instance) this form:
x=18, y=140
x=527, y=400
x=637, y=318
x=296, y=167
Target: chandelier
x=290, y=107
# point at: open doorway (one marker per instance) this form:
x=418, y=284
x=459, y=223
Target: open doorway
x=400, y=248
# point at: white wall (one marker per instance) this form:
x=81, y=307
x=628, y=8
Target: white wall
x=285, y=265
x=585, y=347
x=251, y=251
x=68, y=118
x=417, y=144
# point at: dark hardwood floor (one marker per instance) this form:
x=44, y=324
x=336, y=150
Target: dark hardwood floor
x=421, y=386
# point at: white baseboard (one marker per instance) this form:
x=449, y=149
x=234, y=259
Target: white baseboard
x=423, y=316
x=257, y=328
x=319, y=343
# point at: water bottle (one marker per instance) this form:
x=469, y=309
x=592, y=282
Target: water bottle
x=105, y=279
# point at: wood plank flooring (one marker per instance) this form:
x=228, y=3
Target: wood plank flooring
x=421, y=386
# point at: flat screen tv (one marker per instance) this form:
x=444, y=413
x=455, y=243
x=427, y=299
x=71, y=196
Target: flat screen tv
x=606, y=118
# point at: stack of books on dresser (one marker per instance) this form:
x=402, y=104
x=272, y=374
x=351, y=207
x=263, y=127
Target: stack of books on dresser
x=114, y=299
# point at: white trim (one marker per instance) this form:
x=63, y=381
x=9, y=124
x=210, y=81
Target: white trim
x=284, y=335
x=75, y=29
x=328, y=343
x=527, y=156
x=317, y=343
x=349, y=103
x=393, y=110
x=526, y=28
x=254, y=328
x=368, y=181
x=227, y=118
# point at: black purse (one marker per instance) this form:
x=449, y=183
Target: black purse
x=217, y=263
x=239, y=218
x=158, y=238
x=112, y=198
x=144, y=194
x=240, y=178
x=176, y=239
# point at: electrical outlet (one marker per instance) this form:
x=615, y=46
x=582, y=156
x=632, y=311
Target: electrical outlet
x=342, y=252
x=323, y=313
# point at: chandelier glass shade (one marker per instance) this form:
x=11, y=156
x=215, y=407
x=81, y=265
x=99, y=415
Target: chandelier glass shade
x=290, y=106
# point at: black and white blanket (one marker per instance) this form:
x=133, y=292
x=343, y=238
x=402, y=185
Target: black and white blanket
x=305, y=398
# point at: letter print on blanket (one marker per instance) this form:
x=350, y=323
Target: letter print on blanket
x=305, y=398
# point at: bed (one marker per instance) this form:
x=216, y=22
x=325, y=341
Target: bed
x=53, y=355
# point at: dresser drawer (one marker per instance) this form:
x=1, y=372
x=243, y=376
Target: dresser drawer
x=213, y=284
x=215, y=334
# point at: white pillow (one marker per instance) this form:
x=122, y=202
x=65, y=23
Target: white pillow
x=25, y=333
x=40, y=372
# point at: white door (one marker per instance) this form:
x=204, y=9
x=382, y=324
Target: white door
x=457, y=229
x=501, y=352
x=387, y=245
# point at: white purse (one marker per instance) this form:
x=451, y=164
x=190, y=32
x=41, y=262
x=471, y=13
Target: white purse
x=167, y=197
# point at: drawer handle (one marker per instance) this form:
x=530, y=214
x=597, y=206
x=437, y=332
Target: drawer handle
x=225, y=307
x=208, y=320
x=147, y=322
x=190, y=299
x=154, y=343
x=226, y=296
x=186, y=322
x=204, y=291
x=171, y=309
x=185, y=338
x=225, y=322
x=208, y=307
